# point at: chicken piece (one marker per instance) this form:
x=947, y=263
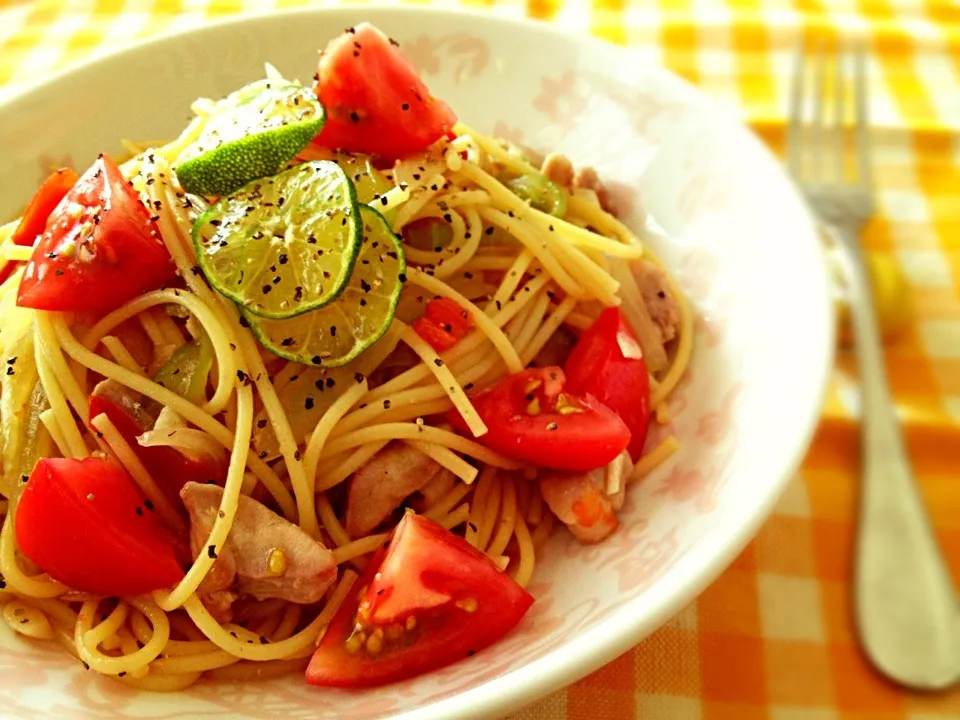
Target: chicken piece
x=385, y=481
x=587, y=179
x=661, y=304
x=558, y=170
x=587, y=502
x=264, y=555
x=435, y=490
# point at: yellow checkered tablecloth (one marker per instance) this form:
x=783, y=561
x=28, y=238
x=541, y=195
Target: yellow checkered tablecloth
x=773, y=637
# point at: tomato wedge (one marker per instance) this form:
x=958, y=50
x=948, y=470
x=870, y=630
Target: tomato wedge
x=43, y=203
x=531, y=417
x=427, y=601
x=84, y=523
x=444, y=324
x=607, y=362
x=169, y=467
x=100, y=248
x=376, y=103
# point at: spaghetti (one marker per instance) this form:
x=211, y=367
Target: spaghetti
x=544, y=274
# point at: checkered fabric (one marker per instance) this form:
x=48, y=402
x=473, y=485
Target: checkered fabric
x=773, y=637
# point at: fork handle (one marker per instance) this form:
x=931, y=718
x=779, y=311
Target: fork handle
x=906, y=604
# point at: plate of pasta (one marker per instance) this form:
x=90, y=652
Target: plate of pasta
x=367, y=364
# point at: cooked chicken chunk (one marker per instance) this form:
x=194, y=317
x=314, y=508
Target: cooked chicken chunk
x=435, y=490
x=388, y=478
x=264, y=556
x=661, y=304
x=587, y=502
x=587, y=179
x=558, y=170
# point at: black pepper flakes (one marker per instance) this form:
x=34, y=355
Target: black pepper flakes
x=148, y=504
x=308, y=404
x=212, y=551
x=438, y=362
x=358, y=377
x=386, y=404
x=262, y=423
x=296, y=455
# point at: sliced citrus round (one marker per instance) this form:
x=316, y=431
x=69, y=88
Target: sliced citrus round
x=283, y=245
x=252, y=133
x=338, y=332
x=369, y=182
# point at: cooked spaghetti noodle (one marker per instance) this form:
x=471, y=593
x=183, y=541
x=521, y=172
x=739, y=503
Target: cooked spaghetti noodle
x=522, y=275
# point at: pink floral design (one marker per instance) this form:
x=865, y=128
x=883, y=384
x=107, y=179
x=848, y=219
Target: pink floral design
x=681, y=484
x=640, y=568
x=508, y=132
x=706, y=500
x=714, y=427
x=470, y=55
x=48, y=164
x=561, y=100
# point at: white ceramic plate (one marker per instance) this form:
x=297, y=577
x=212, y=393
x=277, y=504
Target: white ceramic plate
x=734, y=232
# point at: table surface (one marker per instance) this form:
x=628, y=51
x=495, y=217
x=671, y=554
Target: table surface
x=773, y=637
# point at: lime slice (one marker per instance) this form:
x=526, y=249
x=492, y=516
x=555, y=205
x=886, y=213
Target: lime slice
x=252, y=133
x=338, y=332
x=282, y=245
x=369, y=182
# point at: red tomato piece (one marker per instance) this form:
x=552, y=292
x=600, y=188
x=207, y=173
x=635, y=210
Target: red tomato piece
x=427, y=601
x=42, y=204
x=449, y=316
x=532, y=418
x=85, y=524
x=436, y=337
x=444, y=324
x=169, y=467
x=99, y=250
x=607, y=362
x=375, y=101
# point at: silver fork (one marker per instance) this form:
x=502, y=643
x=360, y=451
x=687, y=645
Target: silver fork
x=906, y=607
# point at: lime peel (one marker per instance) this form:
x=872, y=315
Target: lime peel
x=252, y=133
